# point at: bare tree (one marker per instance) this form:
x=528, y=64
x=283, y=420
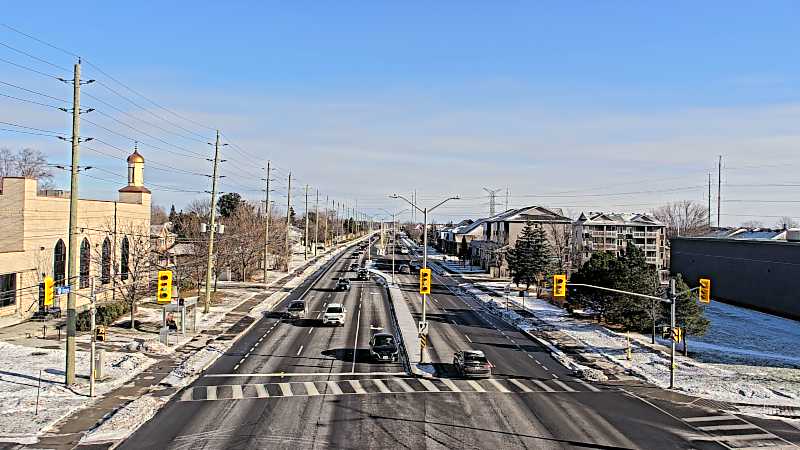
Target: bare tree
x=683, y=218
x=28, y=163
x=158, y=215
x=561, y=240
x=786, y=222
x=752, y=224
x=243, y=240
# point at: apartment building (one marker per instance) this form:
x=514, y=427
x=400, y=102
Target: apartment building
x=612, y=232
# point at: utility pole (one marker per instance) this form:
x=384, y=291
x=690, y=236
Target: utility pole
x=212, y=229
x=672, y=300
x=72, y=258
x=268, y=209
x=316, y=223
x=305, y=233
x=709, y=200
x=719, y=188
x=325, y=233
x=92, y=315
x=506, y=199
x=288, y=222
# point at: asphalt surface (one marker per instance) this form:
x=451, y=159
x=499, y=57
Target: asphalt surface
x=301, y=385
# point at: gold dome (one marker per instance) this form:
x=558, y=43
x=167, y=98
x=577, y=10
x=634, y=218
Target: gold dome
x=135, y=157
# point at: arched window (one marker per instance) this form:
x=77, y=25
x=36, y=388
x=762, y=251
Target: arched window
x=59, y=262
x=105, y=262
x=123, y=264
x=84, y=262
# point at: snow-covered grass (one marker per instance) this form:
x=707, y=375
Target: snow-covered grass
x=746, y=356
x=20, y=367
x=126, y=420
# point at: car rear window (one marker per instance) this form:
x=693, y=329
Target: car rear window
x=334, y=310
x=297, y=306
x=469, y=357
x=381, y=341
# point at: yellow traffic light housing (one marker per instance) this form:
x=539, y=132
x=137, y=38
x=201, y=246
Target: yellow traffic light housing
x=425, y=281
x=559, y=286
x=164, y=292
x=705, y=290
x=48, y=291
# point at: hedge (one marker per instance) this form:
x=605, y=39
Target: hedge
x=107, y=313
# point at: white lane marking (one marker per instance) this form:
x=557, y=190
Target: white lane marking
x=564, y=386
x=499, y=386
x=261, y=391
x=261, y=338
x=237, y=391
x=543, y=386
x=710, y=418
x=299, y=350
x=381, y=386
x=470, y=340
x=428, y=385
x=519, y=384
x=301, y=374
x=236, y=367
x=404, y=385
x=311, y=388
x=745, y=426
x=334, y=388
x=454, y=322
x=310, y=330
x=325, y=304
x=211, y=392
x=554, y=376
x=246, y=355
x=450, y=385
x=357, y=386
x=241, y=360
x=476, y=386
x=587, y=385
x=355, y=344
x=286, y=389
x=748, y=437
x=544, y=367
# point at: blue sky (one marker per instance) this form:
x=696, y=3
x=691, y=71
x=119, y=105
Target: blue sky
x=362, y=99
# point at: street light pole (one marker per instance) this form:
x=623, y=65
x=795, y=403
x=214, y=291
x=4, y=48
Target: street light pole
x=424, y=212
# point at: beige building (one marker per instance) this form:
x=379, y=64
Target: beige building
x=611, y=232
x=34, y=239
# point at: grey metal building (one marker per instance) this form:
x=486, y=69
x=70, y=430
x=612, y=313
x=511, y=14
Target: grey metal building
x=762, y=274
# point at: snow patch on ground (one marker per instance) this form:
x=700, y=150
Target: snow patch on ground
x=125, y=421
x=188, y=370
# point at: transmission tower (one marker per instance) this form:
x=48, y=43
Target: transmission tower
x=492, y=199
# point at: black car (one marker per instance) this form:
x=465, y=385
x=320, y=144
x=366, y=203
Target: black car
x=363, y=274
x=353, y=266
x=472, y=363
x=383, y=347
x=343, y=284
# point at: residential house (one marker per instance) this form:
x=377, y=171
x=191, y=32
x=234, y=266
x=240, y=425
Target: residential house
x=500, y=232
x=162, y=239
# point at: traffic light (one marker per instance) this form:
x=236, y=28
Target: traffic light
x=424, y=281
x=705, y=290
x=164, y=293
x=48, y=291
x=559, y=286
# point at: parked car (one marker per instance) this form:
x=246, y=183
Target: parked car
x=471, y=363
x=343, y=284
x=383, y=347
x=403, y=251
x=335, y=313
x=363, y=274
x=298, y=309
x=404, y=269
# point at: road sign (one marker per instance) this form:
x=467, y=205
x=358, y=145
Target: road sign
x=677, y=334
x=705, y=290
x=423, y=327
x=164, y=292
x=559, y=286
x=48, y=291
x=424, y=281
x=62, y=290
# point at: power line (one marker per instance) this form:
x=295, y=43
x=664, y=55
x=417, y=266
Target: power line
x=34, y=57
x=31, y=69
x=34, y=92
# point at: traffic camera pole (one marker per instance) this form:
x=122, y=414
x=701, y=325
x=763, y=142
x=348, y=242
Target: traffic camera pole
x=672, y=328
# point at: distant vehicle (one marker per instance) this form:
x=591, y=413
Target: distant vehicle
x=404, y=251
x=297, y=310
x=404, y=269
x=383, y=347
x=363, y=274
x=335, y=313
x=472, y=363
x=353, y=266
x=343, y=284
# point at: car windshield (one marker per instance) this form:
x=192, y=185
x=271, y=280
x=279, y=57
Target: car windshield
x=384, y=341
x=297, y=306
x=474, y=359
x=334, y=310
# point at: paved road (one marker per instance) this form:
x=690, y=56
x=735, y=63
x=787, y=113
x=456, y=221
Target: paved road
x=287, y=385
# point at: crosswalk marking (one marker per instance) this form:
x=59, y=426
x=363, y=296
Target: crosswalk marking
x=428, y=385
x=334, y=388
x=286, y=389
x=543, y=386
x=381, y=386
x=261, y=391
x=237, y=391
x=357, y=387
x=587, y=385
x=476, y=386
x=745, y=426
x=564, y=386
x=499, y=386
x=746, y=437
x=311, y=388
x=710, y=418
x=404, y=385
x=450, y=385
x=519, y=384
x=211, y=392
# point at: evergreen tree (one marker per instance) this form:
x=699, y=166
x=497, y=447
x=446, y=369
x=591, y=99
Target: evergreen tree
x=600, y=270
x=463, y=250
x=228, y=203
x=635, y=275
x=689, y=314
x=530, y=257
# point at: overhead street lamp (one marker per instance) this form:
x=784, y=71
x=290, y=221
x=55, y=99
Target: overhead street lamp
x=394, y=233
x=424, y=211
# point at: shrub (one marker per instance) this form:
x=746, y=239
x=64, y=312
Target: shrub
x=107, y=313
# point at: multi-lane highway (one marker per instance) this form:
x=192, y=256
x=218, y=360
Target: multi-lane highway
x=301, y=385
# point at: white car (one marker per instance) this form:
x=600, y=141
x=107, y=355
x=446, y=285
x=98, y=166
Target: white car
x=335, y=313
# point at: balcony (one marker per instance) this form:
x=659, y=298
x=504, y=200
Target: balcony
x=638, y=234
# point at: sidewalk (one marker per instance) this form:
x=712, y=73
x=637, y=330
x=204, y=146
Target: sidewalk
x=146, y=377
